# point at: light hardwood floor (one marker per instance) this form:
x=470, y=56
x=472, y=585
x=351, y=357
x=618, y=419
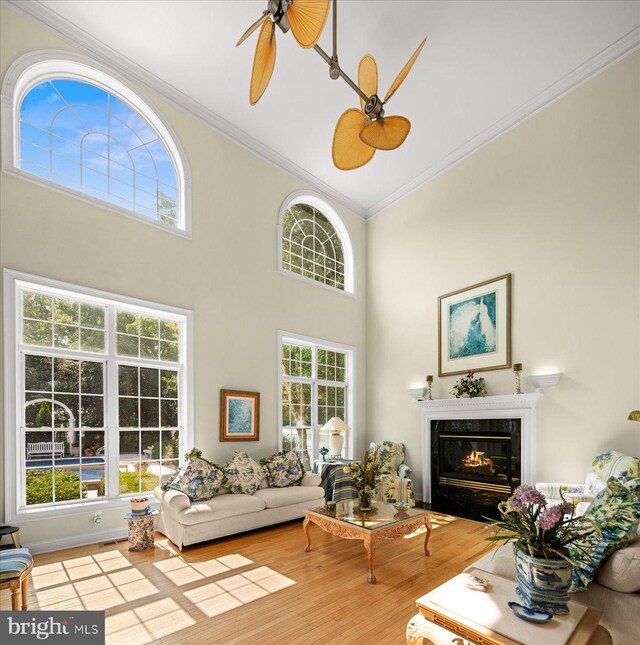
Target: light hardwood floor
x=260, y=587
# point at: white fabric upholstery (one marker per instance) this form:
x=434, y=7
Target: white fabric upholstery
x=172, y=499
x=621, y=571
x=185, y=523
x=277, y=497
x=311, y=479
x=218, y=508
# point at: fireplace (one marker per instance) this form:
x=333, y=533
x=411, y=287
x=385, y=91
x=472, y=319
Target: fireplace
x=475, y=464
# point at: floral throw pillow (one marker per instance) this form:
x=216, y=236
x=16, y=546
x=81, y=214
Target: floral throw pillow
x=198, y=478
x=242, y=474
x=616, y=511
x=284, y=469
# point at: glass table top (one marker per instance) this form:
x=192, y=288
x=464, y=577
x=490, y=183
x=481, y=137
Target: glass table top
x=381, y=515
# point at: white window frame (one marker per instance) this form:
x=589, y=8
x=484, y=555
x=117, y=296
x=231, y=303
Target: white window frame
x=350, y=352
x=320, y=204
x=36, y=67
x=14, y=283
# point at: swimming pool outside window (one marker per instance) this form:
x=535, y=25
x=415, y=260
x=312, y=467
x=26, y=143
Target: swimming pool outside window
x=97, y=419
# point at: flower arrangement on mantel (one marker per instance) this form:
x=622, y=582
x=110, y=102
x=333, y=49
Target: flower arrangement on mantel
x=469, y=387
x=366, y=475
x=540, y=530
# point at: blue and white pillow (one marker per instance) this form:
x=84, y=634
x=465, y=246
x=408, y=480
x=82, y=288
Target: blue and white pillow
x=283, y=469
x=198, y=478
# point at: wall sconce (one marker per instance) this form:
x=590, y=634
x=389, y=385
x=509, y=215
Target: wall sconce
x=540, y=381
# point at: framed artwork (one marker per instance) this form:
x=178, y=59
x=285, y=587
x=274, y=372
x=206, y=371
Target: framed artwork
x=239, y=416
x=474, y=328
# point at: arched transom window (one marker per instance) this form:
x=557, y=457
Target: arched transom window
x=315, y=244
x=84, y=131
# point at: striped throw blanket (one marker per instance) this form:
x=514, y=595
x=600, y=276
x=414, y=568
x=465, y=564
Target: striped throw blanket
x=13, y=562
x=337, y=482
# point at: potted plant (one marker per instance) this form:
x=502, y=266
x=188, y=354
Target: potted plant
x=366, y=476
x=541, y=536
x=469, y=387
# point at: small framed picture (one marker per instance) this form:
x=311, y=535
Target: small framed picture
x=474, y=328
x=239, y=415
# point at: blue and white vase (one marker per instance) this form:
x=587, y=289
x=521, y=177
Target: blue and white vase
x=543, y=584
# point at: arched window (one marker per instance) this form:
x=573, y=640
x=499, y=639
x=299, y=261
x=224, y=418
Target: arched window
x=314, y=243
x=80, y=128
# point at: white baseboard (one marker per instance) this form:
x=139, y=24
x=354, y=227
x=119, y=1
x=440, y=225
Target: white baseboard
x=57, y=544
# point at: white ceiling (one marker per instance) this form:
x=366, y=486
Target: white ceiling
x=486, y=65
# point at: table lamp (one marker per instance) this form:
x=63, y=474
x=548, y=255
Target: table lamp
x=335, y=426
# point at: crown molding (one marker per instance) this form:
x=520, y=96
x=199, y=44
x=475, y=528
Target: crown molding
x=138, y=74
x=605, y=58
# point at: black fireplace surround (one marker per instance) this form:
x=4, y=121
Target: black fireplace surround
x=475, y=464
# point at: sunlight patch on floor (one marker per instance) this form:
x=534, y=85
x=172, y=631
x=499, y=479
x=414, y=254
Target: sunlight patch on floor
x=181, y=572
x=57, y=573
x=147, y=623
x=216, y=598
x=98, y=593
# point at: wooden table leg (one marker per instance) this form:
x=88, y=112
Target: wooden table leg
x=305, y=527
x=25, y=589
x=14, y=585
x=370, y=547
x=427, y=523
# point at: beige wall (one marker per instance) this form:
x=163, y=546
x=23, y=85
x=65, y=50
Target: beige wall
x=555, y=202
x=227, y=274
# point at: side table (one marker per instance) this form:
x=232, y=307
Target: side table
x=14, y=533
x=484, y=618
x=142, y=530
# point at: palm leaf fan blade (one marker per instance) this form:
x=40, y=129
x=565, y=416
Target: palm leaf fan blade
x=367, y=77
x=307, y=19
x=263, y=62
x=404, y=72
x=253, y=27
x=348, y=151
x=388, y=133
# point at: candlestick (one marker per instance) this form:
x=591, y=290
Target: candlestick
x=517, y=368
x=429, y=385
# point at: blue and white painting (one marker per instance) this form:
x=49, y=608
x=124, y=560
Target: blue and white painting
x=240, y=416
x=472, y=326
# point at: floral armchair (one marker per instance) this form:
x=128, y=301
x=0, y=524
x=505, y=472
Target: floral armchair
x=394, y=484
x=608, y=464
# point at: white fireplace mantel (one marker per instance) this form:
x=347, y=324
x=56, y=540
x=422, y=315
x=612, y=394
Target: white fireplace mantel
x=504, y=406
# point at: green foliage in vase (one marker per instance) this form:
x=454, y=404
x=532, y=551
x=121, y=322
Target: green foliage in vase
x=366, y=475
x=469, y=386
x=537, y=529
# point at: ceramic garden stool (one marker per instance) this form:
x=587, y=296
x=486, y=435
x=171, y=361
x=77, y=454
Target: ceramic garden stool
x=14, y=533
x=15, y=567
x=142, y=529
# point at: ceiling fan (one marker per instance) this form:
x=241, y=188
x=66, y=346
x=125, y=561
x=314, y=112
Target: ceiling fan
x=359, y=132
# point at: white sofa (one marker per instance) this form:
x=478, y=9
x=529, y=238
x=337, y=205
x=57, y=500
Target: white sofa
x=185, y=522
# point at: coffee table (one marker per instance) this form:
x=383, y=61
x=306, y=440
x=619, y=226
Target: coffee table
x=384, y=522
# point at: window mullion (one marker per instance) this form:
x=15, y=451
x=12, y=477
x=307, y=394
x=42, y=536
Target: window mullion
x=111, y=393
x=314, y=421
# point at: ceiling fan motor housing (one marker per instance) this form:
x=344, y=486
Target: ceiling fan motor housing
x=278, y=9
x=373, y=108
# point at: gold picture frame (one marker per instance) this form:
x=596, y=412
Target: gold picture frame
x=239, y=415
x=474, y=328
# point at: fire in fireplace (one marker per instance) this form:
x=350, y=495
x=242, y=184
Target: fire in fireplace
x=475, y=465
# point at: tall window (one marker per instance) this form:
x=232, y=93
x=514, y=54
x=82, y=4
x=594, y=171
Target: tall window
x=314, y=243
x=77, y=127
x=316, y=384
x=102, y=392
